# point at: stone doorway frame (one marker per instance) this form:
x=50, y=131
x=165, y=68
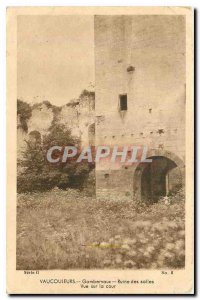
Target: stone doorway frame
x=138, y=169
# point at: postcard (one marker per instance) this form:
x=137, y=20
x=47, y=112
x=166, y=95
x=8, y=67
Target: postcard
x=100, y=142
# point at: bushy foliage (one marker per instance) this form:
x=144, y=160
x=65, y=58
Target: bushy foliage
x=90, y=184
x=40, y=175
x=24, y=111
x=86, y=93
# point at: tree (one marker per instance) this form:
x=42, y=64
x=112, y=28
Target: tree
x=24, y=111
x=41, y=175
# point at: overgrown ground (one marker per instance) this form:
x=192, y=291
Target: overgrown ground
x=66, y=230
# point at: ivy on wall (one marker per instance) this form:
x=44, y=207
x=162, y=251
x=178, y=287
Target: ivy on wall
x=24, y=112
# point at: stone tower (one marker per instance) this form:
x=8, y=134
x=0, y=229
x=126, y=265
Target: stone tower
x=140, y=100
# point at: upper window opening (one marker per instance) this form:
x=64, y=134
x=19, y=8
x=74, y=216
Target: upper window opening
x=123, y=102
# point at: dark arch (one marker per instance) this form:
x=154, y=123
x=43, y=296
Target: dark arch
x=164, y=175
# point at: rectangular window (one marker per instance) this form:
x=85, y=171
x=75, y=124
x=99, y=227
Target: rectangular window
x=123, y=102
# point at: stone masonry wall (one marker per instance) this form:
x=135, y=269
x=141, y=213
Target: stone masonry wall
x=78, y=115
x=143, y=57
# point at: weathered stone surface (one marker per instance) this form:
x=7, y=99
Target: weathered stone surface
x=154, y=47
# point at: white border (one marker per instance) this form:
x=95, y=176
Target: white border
x=3, y=5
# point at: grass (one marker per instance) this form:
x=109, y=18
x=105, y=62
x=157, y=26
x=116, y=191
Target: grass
x=66, y=230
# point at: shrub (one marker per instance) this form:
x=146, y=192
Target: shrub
x=39, y=175
x=24, y=111
x=90, y=184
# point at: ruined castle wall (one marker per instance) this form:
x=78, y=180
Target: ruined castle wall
x=77, y=116
x=69, y=117
x=86, y=117
x=41, y=119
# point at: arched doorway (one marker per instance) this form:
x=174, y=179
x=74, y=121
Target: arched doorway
x=163, y=176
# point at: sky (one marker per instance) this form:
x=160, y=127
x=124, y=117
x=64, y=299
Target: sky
x=55, y=57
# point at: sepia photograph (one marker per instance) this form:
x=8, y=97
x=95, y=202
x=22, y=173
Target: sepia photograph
x=101, y=110
x=101, y=214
